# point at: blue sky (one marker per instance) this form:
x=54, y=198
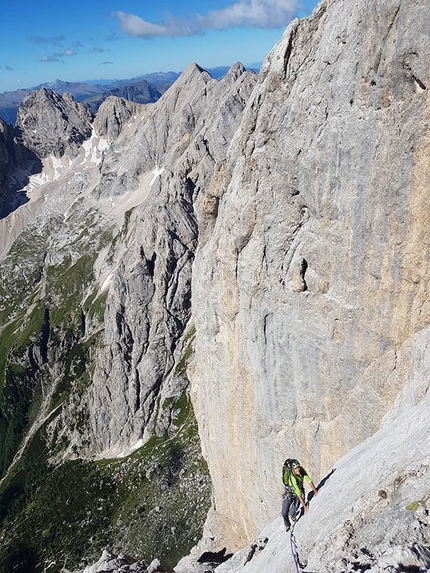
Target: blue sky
x=119, y=39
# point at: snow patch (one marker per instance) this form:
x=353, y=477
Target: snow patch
x=57, y=165
x=136, y=446
x=157, y=171
x=108, y=280
x=39, y=179
x=94, y=148
x=70, y=209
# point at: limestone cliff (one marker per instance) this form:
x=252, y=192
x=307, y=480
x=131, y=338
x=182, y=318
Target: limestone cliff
x=371, y=513
x=265, y=239
x=17, y=162
x=52, y=124
x=310, y=293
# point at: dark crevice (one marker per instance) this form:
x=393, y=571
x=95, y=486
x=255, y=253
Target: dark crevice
x=44, y=337
x=120, y=320
x=127, y=341
x=83, y=326
x=419, y=82
x=288, y=52
x=303, y=269
x=151, y=264
x=137, y=401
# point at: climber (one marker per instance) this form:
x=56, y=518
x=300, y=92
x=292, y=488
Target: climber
x=293, y=476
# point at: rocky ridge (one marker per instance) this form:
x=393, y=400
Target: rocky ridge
x=266, y=241
x=103, y=312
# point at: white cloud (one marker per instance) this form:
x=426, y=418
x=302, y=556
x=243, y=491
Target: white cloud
x=49, y=59
x=55, y=57
x=254, y=13
x=136, y=27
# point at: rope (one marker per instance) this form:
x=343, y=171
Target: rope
x=294, y=549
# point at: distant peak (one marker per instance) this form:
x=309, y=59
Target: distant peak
x=193, y=71
x=193, y=67
x=45, y=93
x=235, y=71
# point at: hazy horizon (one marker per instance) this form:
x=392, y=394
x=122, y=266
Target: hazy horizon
x=121, y=39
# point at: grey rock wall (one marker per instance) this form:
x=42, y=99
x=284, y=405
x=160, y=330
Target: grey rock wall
x=156, y=163
x=112, y=115
x=371, y=513
x=52, y=124
x=180, y=138
x=310, y=291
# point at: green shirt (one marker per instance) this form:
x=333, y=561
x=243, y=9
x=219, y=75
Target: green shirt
x=295, y=483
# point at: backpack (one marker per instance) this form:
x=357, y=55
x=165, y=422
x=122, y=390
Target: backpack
x=287, y=470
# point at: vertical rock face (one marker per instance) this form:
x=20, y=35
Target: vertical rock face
x=371, y=514
x=113, y=115
x=52, y=124
x=310, y=286
x=177, y=141
x=16, y=163
x=5, y=162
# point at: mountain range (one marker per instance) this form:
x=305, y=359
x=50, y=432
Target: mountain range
x=143, y=89
x=195, y=289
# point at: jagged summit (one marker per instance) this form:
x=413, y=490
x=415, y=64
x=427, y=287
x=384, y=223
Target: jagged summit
x=192, y=72
x=234, y=72
x=49, y=123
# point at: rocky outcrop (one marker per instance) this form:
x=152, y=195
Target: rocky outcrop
x=4, y=163
x=372, y=512
x=52, y=124
x=112, y=115
x=309, y=292
x=140, y=92
x=16, y=165
x=115, y=563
